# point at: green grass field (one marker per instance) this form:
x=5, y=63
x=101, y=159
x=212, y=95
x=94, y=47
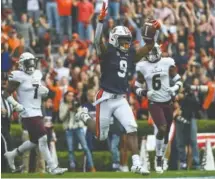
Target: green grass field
x=169, y=174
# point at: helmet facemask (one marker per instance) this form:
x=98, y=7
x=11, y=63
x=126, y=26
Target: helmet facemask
x=124, y=43
x=29, y=66
x=154, y=55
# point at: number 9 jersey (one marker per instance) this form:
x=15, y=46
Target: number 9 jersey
x=115, y=67
x=157, y=77
x=27, y=92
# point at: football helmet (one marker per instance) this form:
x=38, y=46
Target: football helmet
x=27, y=63
x=120, y=37
x=155, y=54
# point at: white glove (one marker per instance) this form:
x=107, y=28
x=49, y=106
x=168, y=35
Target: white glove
x=150, y=94
x=19, y=108
x=42, y=90
x=171, y=91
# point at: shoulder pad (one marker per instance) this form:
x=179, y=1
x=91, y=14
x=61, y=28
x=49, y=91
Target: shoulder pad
x=16, y=76
x=168, y=61
x=140, y=65
x=38, y=74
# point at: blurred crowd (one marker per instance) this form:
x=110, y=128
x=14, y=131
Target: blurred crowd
x=60, y=34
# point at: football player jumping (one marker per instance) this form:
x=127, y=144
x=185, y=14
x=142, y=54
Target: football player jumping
x=117, y=59
x=157, y=72
x=27, y=83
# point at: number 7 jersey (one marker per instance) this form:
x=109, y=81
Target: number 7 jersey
x=27, y=92
x=157, y=77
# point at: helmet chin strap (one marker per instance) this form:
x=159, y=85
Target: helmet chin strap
x=30, y=70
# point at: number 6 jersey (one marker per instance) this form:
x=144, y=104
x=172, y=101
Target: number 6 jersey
x=157, y=77
x=27, y=92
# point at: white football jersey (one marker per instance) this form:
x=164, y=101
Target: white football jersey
x=27, y=92
x=157, y=77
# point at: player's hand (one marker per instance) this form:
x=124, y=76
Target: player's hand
x=156, y=24
x=171, y=91
x=42, y=90
x=19, y=108
x=150, y=94
x=103, y=12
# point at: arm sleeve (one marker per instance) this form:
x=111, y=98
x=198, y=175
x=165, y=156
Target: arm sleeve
x=98, y=34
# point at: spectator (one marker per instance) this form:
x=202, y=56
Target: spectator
x=48, y=123
x=186, y=129
x=85, y=15
x=13, y=41
x=60, y=55
x=33, y=9
x=19, y=8
x=61, y=70
x=68, y=107
x=52, y=14
x=181, y=59
x=25, y=29
x=64, y=10
x=43, y=33
x=92, y=111
x=113, y=9
x=6, y=63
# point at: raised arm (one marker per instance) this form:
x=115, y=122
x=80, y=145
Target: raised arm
x=99, y=45
x=149, y=34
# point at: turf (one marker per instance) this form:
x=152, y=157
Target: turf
x=169, y=174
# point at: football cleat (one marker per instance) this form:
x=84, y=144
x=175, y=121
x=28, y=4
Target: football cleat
x=140, y=170
x=124, y=168
x=165, y=164
x=10, y=156
x=159, y=165
x=57, y=171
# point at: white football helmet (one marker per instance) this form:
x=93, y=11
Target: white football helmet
x=120, y=37
x=155, y=54
x=27, y=63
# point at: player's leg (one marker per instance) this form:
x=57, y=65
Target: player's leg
x=104, y=111
x=157, y=113
x=38, y=133
x=25, y=146
x=168, y=113
x=125, y=116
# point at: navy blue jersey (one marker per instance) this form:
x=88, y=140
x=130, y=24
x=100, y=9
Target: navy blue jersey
x=115, y=69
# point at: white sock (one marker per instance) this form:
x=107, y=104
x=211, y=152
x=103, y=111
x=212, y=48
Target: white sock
x=159, y=145
x=136, y=160
x=164, y=147
x=43, y=147
x=26, y=146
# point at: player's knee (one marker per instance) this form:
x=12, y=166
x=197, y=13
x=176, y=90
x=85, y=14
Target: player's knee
x=162, y=130
x=43, y=140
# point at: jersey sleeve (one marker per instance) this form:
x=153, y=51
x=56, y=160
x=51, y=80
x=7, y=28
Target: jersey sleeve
x=171, y=62
x=139, y=66
x=16, y=76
